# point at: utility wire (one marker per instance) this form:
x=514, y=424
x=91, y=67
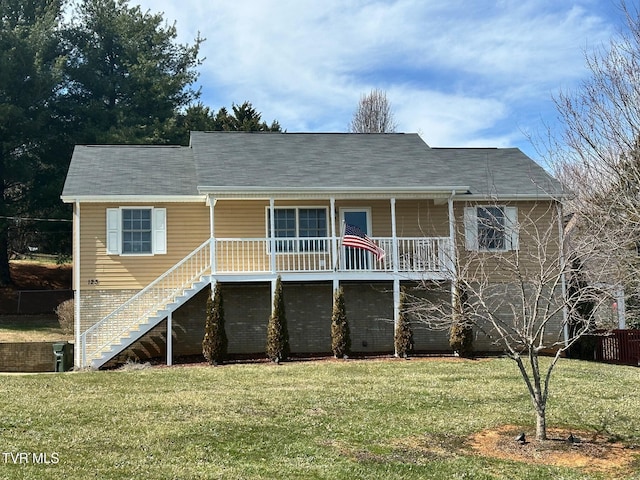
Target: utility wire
x=29, y=219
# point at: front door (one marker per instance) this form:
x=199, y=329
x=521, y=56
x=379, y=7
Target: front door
x=356, y=258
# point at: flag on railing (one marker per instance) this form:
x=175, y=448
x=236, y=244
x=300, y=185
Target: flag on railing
x=356, y=238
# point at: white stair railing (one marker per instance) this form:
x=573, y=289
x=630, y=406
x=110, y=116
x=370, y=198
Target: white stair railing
x=147, y=302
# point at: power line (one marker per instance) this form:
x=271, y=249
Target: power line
x=29, y=219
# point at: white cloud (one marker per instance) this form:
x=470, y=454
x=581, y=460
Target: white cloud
x=460, y=72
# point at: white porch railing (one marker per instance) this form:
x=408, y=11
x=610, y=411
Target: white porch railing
x=305, y=254
x=146, y=303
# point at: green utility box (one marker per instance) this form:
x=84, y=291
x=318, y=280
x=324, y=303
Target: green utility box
x=63, y=353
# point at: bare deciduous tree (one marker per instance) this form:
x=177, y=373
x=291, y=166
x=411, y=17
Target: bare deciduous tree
x=373, y=114
x=517, y=299
x=597, y=155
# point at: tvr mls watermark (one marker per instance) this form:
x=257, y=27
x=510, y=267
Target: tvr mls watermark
x=26, y=458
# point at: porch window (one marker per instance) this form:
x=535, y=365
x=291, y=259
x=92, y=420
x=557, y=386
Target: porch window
x=491, y=228
x=299, y=223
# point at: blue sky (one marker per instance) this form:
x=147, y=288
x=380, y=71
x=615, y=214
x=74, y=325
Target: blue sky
x=458, y=72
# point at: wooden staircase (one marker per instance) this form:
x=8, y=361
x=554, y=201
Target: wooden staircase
x=146, y=309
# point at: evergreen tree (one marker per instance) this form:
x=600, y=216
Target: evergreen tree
x=214, y=344
x=127, y=76
x=277, y=333
x=403, y=338
x=340, y=335
x=30, y=74
x=461, y=333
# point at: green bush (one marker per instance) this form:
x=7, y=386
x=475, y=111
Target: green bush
x=340, y=335
x=277, y=333
x=403, y=335
x=214, y=344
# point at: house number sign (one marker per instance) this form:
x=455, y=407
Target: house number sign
x=93, y=281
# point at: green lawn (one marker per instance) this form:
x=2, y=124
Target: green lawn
x=367, y=419
x=32, y=328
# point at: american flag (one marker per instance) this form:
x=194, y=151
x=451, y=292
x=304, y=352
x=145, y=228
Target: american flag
x=356, y=238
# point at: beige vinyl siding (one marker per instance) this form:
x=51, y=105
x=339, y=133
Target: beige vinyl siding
x=187, y=228
x=380, y=215
x=421, y=218
x=240, y=218
x=248, y=218
x=537, y=221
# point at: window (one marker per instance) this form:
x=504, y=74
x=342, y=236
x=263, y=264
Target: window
x=299, y=223
x=136, y=231
x=491, y=228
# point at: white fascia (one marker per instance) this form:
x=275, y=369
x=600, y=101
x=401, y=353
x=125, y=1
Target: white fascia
x=134, y=199
x=324, y=192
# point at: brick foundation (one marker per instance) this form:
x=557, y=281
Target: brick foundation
x=27, y=357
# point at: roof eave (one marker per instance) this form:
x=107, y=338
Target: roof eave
x=236, y=192
x=133, y=198
x=510, y=197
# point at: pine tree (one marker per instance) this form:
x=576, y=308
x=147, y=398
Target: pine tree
x=340, y=336
x=214, y=344
x=277, y=333
x=403, y=338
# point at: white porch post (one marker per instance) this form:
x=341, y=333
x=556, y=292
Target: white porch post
x=396, y=279
x=450, y=261
x=394, y=236
x=334, y=245
x=334, y=236
x=212, y=234
x=170, y=339
x=272, y=237
x=78, y=347
x=396, y=309
x=622, y=321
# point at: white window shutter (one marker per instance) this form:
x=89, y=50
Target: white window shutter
x=511, y=228
x=113, y=231
x=470, y=228
x=160, y=230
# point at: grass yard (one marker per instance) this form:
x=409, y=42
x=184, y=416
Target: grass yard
x=32, y=328
x=359, y=419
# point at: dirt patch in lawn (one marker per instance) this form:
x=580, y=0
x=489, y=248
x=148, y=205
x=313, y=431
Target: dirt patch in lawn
x=29, y=276
x=588, y=452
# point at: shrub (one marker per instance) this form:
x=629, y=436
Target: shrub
x=214, y=344
x=403, y=335
x=277, y=333
x=340, y=336
x=66, y=314
x=461, y=339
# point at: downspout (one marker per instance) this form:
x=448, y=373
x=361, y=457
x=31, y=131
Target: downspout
x=563, y=280
x=79, y=347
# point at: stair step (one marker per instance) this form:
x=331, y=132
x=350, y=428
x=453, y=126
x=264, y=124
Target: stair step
x=136, y=331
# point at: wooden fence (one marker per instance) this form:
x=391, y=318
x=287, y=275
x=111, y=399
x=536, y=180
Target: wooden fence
x=619, y=346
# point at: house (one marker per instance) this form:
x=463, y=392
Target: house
x=154, y=226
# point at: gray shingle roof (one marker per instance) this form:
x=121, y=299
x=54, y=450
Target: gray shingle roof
x=98, y=170
x=275, y=161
